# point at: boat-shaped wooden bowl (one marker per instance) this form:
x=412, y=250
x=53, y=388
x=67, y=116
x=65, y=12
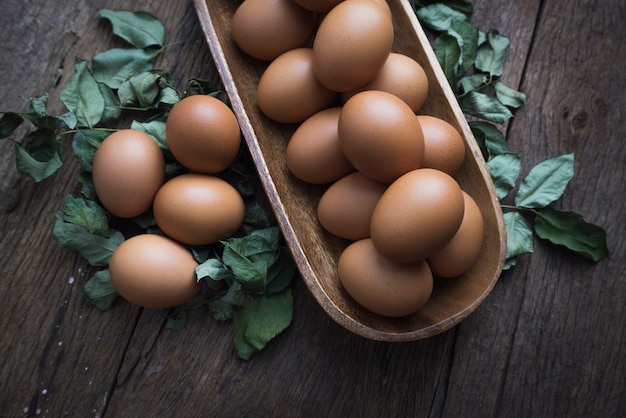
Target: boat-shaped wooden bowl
x=294, y=203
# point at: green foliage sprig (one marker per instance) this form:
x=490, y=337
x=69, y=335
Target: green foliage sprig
x=472, y=61
x=248, y=276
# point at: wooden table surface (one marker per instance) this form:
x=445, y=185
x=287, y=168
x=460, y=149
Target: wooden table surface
x=550, y=340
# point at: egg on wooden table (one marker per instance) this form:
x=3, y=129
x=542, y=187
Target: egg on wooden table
x=380, y=285
x=265, y=29
x=417, y=215
x=313, y=153
x=444, y=148
x=462, y=251
x=203, y=134
x=380, y=135
x=128, y=169
x=345, y=209
x=289, y=92
x=154, y=271
x=401, y=76
x=198, y=209
x=352, y=43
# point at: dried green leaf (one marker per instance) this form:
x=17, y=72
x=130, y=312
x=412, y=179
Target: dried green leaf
x=86, y=213
x=9, y=122
x=43, y=144
x=259, y=320
x=99, y=291
x=85, y=144
x=439, y=16
x=255, y=218
x=472, y=82
x=448, y=53
x=508, y=96
x=213, y=269
x=221, y=309
x=490, y=139
x=141, y=89
x=467, y=37
x=504, y=169
x=490, y=55
x=485, y=107
x=570, y=230
x=140, y=29
x=546, y=182
x=155, y=129
x=87, y=190
x=249, y=258
x=38, y=170
x=82, y=96
x=112, y=108
x=96, y=249
x=117, y=65
x=519, y=236
x=281, y=273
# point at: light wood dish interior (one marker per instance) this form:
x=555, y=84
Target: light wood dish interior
x=294, y=202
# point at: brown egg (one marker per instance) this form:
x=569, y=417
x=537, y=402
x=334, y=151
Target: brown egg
x=289, y=92
x=444, y=148
x=321, y=6
x=346, y=207
x=203, y=134
x=380, y=135
x=417, y=215
x=382, y=286
x=313, y=154
x=153, y=271
x=401, y=76
x=128, y=169
x=458, y=256
x=352, y=43
x=264, y=29
x=198, y=209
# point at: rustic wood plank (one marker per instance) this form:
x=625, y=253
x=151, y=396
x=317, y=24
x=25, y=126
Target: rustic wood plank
x=548, y=341
x=314, y=369
x=488, y=333
x=572, y=323
x=58, y=355
x=549, y=316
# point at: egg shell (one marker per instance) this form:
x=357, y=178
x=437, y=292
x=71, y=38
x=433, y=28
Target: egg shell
x=380, y=135
x=401, y=76
x=417, y=215
x=458, y=255
x=313, y=153
x=382, y=286
x=320, y=6
x=265, y=29
x=345, y=209
x=128, y=169
x=352, y=43
x=203, y=134
x=444, y=148
x=198, y=209
x=153, y=271
x=288, y=90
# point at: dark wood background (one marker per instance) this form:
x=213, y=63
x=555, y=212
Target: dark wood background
x=550, y=341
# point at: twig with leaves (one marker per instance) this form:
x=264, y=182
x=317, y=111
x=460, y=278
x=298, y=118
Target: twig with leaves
x=472, y=61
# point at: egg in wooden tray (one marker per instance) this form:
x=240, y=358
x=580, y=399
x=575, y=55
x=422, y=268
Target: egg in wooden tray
x=414, y=239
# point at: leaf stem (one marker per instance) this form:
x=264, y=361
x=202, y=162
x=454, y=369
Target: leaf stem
x=519, y=208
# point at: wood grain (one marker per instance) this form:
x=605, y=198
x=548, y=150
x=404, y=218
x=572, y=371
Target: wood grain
x=548, y=341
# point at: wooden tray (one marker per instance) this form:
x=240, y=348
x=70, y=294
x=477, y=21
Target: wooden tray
x=294, y=202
